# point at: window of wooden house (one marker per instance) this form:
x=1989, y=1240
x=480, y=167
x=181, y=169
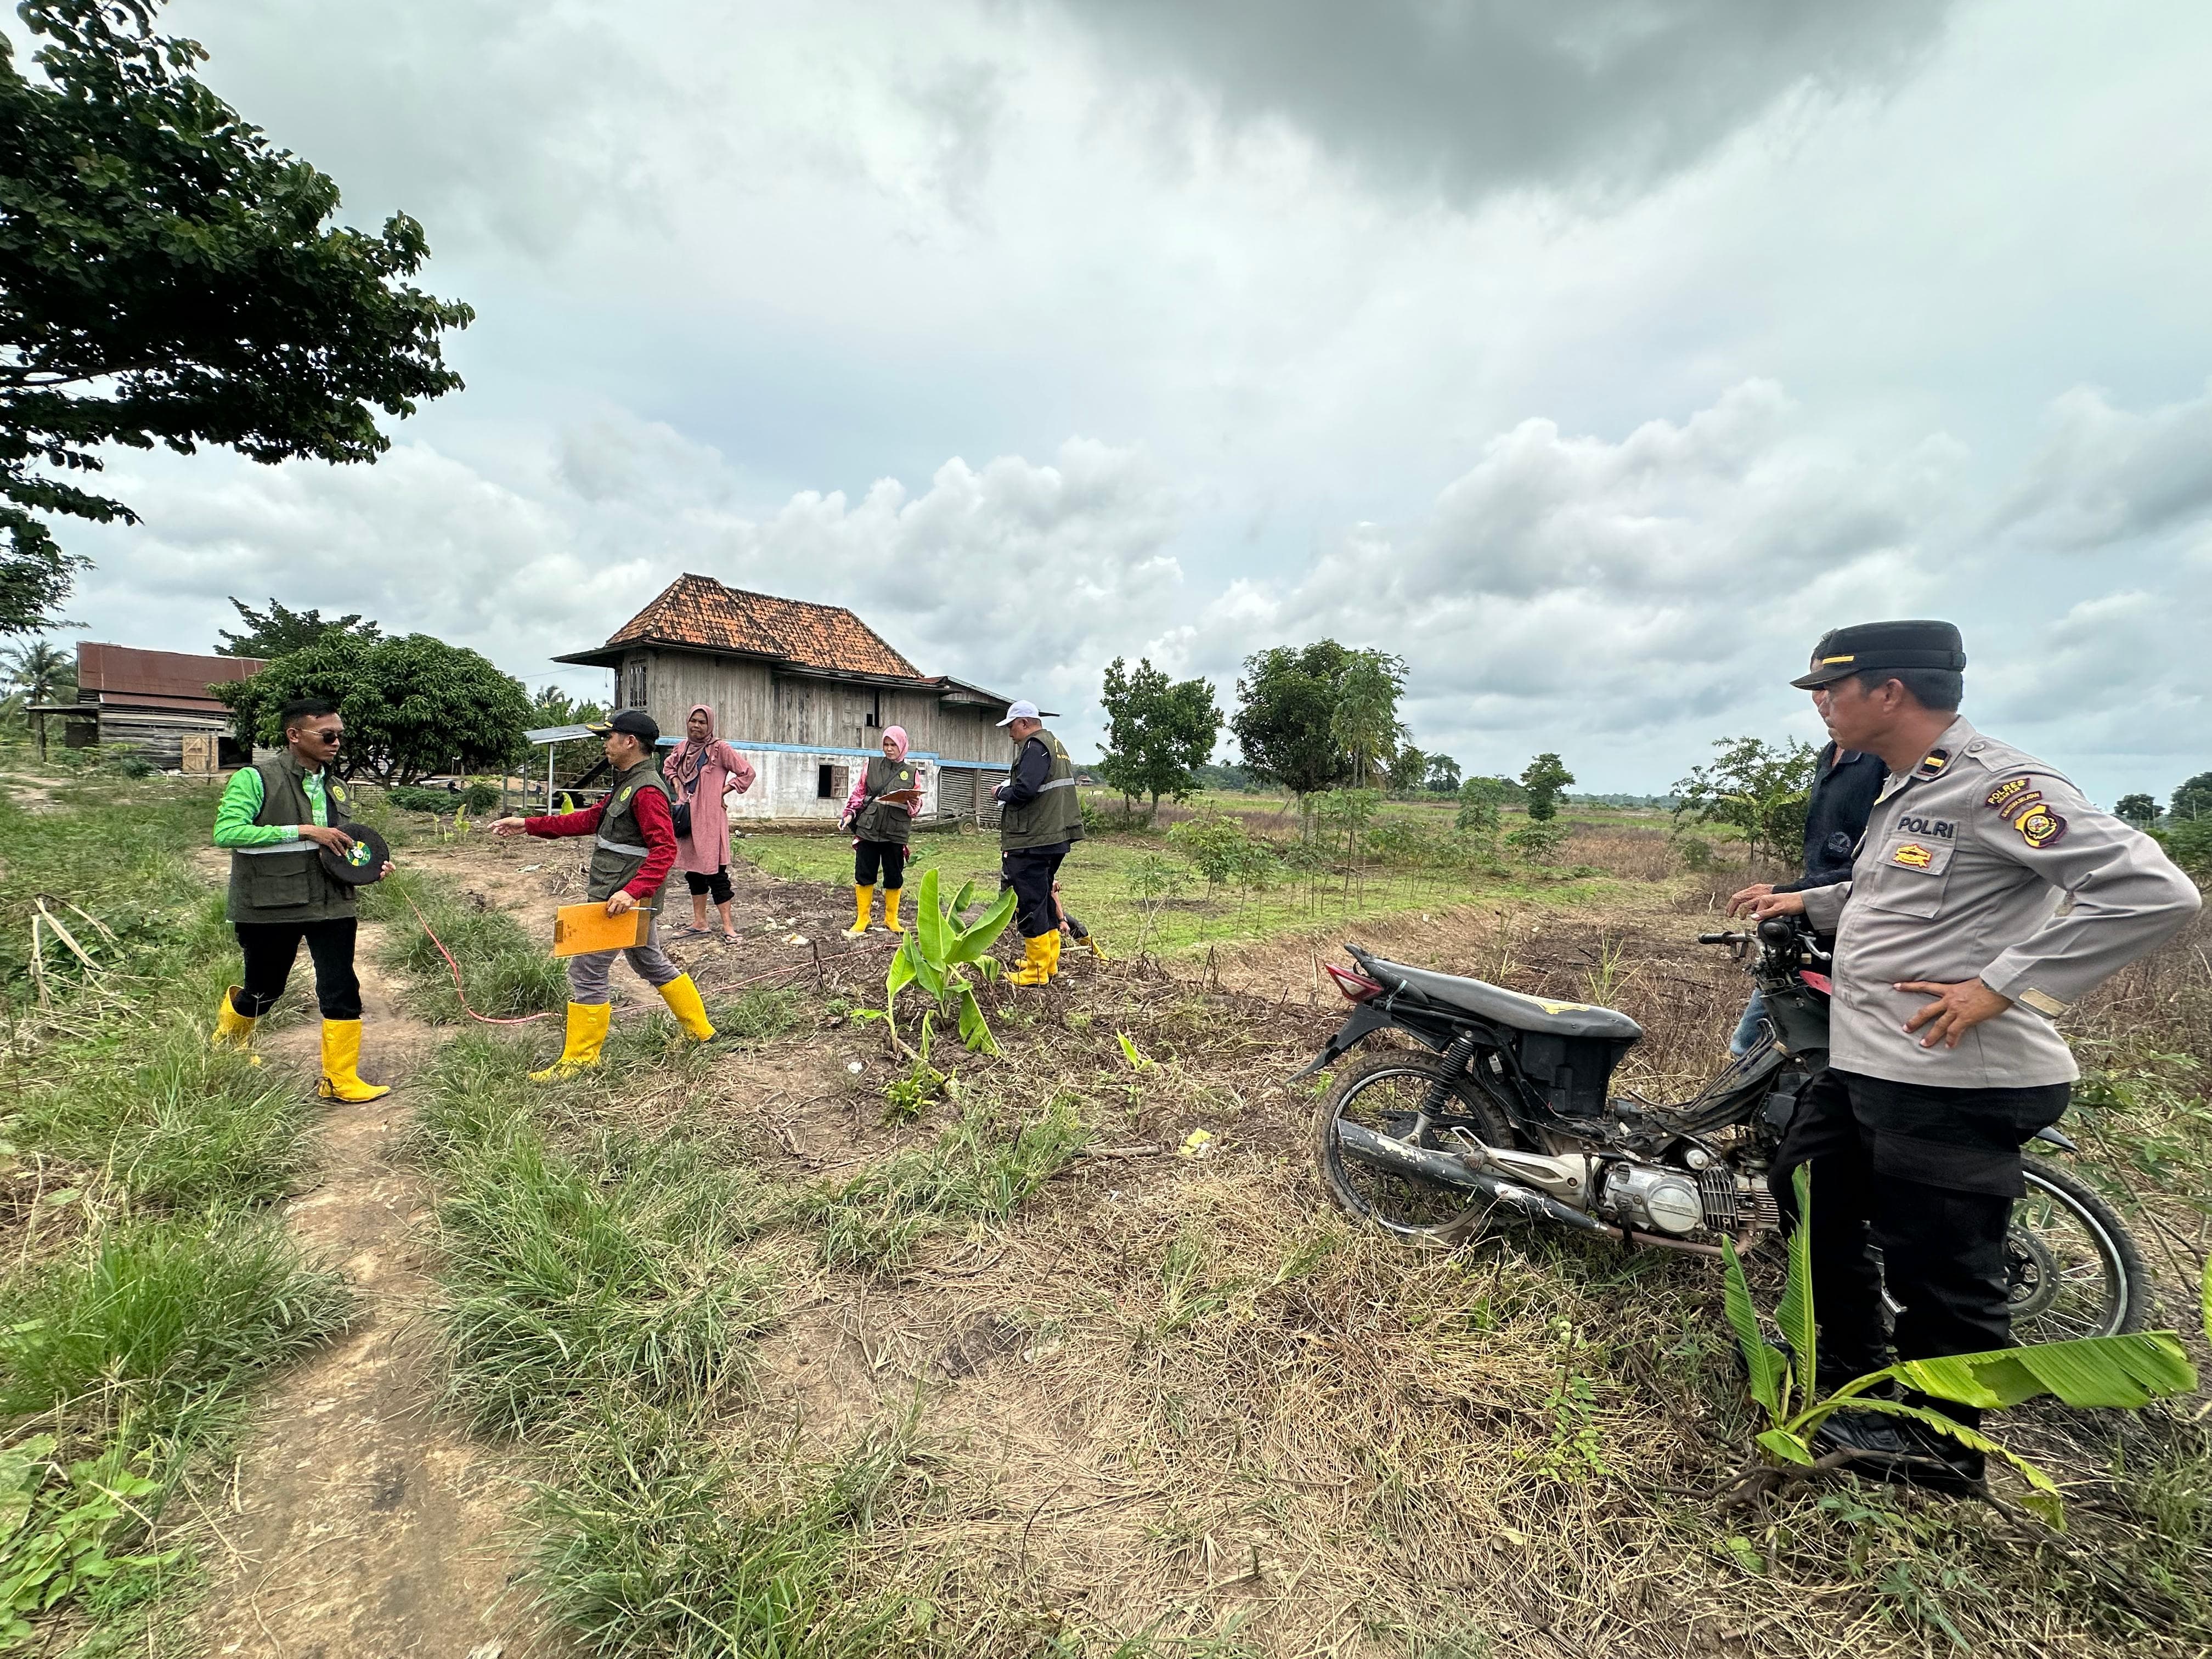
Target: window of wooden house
x=832, y=782
x=633, y=683
x=875, y=709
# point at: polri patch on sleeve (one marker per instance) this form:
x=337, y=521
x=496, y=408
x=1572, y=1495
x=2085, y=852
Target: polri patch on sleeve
x=2005, y=791
x=2040, y=826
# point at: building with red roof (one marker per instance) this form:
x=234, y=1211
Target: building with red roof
x=805, y=691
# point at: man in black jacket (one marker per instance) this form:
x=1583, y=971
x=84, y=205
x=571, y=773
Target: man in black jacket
x=1845, y=784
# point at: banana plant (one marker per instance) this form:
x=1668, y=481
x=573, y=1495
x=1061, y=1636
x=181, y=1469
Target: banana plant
x=2128, y=1370
x=938, y=951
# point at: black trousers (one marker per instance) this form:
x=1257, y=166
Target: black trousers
x=717, y=885
x=1927, y=1177
x=1030, y=872
x=271, y=948
x=871, y=858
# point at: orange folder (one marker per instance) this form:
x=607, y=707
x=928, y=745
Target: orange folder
x=579, y=929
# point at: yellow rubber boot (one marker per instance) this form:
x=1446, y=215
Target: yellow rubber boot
x=1033, y=970
x=341, y=1078
x=862, y=898
x=890, y=909
x=231, y=1029
x=1052, y=953
x=681, y=997
x=588, y=1034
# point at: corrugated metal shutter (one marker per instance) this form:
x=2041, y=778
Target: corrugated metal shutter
x=956, y=792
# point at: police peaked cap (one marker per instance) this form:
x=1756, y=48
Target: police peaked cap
x=1844, y=652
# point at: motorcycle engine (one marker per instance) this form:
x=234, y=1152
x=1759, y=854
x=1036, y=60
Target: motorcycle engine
x=1652, y=1198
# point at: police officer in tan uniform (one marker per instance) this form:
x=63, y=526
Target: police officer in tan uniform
x=1986, y=897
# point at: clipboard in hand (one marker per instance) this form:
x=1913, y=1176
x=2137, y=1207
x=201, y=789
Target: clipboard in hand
x=909, y=796
x=579, y=929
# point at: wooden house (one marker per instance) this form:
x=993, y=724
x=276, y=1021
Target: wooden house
x=803, y=691
x=154, y=701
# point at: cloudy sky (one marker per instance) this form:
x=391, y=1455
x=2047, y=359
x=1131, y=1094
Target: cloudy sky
x=1595, y=357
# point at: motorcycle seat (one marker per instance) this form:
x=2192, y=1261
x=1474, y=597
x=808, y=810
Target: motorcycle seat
x=1509, y=1008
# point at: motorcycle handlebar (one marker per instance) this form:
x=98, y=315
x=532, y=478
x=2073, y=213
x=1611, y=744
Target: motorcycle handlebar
x=1722, y=939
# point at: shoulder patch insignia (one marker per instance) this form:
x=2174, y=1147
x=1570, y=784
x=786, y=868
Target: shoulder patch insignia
x=2011, y=810
x=2005, y=791
x=1934, y=761
x=2040, y=826
x=1912, y=855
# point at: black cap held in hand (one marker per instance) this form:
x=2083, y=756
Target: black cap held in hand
x=1844, y=652
x=635, y=721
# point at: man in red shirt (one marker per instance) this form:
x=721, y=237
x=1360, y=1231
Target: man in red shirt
x=634, y=851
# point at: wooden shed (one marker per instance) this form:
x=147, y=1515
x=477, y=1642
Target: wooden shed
x=154, y=701
x=805, y=691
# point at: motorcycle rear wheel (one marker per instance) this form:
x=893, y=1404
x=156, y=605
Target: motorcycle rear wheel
x=1384, y=1091
x=2071, y=1266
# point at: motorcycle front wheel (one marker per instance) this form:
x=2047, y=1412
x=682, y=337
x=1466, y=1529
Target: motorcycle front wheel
x=2071, y=1268
x=1385, y=1092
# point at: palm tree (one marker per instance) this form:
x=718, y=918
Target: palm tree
x=38, y=673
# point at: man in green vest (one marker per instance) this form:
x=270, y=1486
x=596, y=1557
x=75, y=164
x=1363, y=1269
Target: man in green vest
x=633, y=851
x=1039, y=819
x=275, y=816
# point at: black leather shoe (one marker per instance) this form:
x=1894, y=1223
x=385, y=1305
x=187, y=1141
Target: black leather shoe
x=1873, y=1434
x=1939, y=1463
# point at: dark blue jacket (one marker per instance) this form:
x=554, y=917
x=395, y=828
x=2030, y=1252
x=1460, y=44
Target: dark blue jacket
x=1836, y=817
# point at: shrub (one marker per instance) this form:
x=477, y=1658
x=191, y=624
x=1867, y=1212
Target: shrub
x=476, y=799
x=1538, y=841
x=2188, y=842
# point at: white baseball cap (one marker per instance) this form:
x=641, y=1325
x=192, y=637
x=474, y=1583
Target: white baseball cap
x=1020, y=711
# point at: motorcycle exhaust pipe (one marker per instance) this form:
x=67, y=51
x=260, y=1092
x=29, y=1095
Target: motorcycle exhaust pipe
x=1443, y=1168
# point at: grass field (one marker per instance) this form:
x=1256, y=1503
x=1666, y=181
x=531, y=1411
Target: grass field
x=1004, y=1375
x=1136, y=893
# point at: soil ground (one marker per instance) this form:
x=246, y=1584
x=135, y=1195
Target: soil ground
x=1172, y=1394
x=363, y=1525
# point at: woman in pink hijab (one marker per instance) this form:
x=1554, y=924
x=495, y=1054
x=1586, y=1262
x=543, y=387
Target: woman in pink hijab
x=880, y=813
x=700, y=771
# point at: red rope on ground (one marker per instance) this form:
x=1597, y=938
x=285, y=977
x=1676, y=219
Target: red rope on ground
x=461, y=992
x=458, y=991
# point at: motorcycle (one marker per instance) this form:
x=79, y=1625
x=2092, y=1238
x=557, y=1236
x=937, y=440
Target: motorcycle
x=1505, y=1108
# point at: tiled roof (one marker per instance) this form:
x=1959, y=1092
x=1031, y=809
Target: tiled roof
x=161, y=679
x=701, y=611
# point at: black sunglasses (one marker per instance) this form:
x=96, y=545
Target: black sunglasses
x=330, y=737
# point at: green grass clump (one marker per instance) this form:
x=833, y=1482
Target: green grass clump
x=761, y=1014
x=571, y=1268
x=159, y=1311
x=176, y=1124
x=654, y=1544
x=973, y=1174
x=504, y=971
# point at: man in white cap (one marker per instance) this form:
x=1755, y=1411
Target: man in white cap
x=1039, y=819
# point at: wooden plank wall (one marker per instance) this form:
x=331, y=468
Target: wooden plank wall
x=754, y=704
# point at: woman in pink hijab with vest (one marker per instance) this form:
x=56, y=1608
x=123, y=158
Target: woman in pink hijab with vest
x=880, y=814
x=700, y=769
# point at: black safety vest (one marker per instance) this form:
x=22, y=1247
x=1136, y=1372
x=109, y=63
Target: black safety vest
x=286, y=882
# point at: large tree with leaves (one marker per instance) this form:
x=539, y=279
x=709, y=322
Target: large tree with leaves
x=1158, y=730
x=280, y=630
x=168, y=277
x=1286, y=717
x=413, y=705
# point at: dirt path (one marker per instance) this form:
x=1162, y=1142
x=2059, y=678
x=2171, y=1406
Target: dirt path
x=360, y=1525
